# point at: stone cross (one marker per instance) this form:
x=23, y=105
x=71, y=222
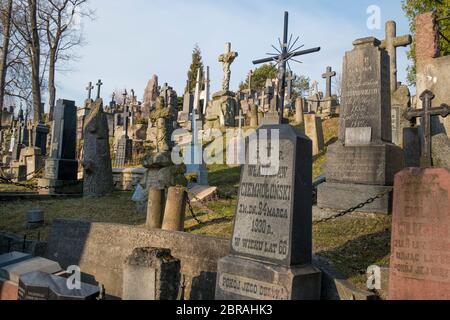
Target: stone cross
x=282, y=59
x=425, y=114
x=126, y=116
x=133, y=95
x=113, y=97
x=30, y=133
x=240, y=118
x=89, y=89
x=328, y=76
x=99, y=88
x=390, y=44
x=227, y=59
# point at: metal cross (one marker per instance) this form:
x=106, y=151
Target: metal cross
x=126, y=116
x=99, y=88
x=425, y=114
x=329, y=75
x=89, y=89
x=286, y=53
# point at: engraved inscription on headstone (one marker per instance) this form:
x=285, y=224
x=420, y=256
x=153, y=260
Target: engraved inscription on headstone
x=252, y=288
x=264, y=209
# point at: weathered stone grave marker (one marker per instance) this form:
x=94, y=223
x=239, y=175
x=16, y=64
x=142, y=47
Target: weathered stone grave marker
x=271, y=247
x=419, y=268
x=363, y=162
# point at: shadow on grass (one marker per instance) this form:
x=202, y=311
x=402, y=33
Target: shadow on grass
x=355, y=256
x=208, y=223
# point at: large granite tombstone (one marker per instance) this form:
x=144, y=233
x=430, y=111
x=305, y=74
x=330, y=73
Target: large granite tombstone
x=98, y=178
x=61, y=168
x=363, y=162
x=419, y=268
x=271, y=247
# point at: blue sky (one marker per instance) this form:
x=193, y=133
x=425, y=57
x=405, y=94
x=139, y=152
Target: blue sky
x=134, y=39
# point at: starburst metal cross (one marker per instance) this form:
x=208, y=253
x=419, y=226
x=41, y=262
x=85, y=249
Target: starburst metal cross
x=287, y=52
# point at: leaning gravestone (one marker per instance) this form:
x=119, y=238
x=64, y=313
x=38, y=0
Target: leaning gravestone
x=271, y=248
x=363, y=162
x=98, y=178
x=420, y=259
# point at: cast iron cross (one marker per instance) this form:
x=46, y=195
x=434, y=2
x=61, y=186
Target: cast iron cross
x=282, y=58
x=99, y=88
x=126, y=116
x=89, y=89
x=328, y=76
x=425, y=114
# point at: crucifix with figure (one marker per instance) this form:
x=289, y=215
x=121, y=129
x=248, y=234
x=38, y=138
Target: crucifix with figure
x=286, y=53
x=425, y=115
x=99, y=88
x=89, y=89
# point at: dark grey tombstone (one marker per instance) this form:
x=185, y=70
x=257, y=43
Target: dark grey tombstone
x=40, y=133
x=271, y=247
x=366, y=98
x=43, y=286
x=62, y=164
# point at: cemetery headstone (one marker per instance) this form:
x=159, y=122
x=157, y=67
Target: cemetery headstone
x=43, y=286
x=271, y=246
x=61, y=167
x=419, y=268
x=363, y=162
x=175, y=209
x=314, y=131
x=98, y=179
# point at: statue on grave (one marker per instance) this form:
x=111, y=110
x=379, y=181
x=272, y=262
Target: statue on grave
x=161, y=116
x=227, y=59
x=98, y=179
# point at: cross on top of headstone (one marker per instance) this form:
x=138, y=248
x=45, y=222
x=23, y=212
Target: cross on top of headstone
x=89, y=89
x=126, y=116
x=99, y=88
x=286, y=53
x=425, y=114
x=328, y=76
x=125, y=95
x=390, y=44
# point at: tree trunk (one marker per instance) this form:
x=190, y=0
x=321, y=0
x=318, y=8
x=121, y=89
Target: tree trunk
x=51, y=82
x=4, y=55
x=35, y=49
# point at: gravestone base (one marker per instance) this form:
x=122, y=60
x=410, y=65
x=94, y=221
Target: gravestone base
x=343, y=196
x=244, y=279
x=61, y=169
x=328, y=107
x=51, y=186
x=18, y=172
x=374, y=164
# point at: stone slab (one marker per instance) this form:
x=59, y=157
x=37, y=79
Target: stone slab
x=202, y=194
x=14, y=271
x=372, y=165
x=358, y=136
x=12, y=258
x=9, y=291
x=244, y=279
x=420, y=259
x=40, y=285
x=341, y=196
